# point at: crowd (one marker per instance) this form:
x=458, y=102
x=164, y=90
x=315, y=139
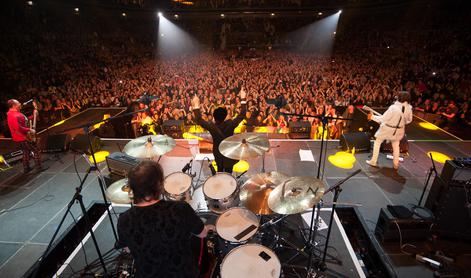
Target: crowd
x=67, y=74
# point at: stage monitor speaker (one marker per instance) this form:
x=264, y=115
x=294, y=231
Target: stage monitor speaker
x=120, y=163
x=358, y=140
x=411, y=228
x=56, y=143
x=173, y=128
x=80, y=143
x=299, y=130
x=403, y=146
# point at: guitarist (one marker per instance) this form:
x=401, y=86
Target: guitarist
x=18, y=124
x=392, y=127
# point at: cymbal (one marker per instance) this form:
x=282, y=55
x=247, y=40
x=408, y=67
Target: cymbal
x=296, y=195
x=244, y=145
x=119, y=192
x=255, y=191
x=149, y=146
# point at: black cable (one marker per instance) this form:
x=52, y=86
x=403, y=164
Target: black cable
x=48, y=197
x=76, y=170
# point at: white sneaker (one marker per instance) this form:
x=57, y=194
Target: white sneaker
x=369, y=162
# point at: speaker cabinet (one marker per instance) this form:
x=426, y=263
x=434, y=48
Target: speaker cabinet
x=358, y=140
x=80, y=143
x=56, y=143
x=411, y=228
x=403, y=146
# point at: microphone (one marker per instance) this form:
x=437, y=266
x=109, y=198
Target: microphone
x=187, y=166
x=29, y=101
x=213, y=171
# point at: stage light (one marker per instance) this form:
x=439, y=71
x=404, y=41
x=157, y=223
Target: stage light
x=223, y=15
x=344, y=160
x=438, y=157
x=30, y=3
x=176, y=16
x=335, y=33
x=387, y=47
x=159, y=14
x=434, y=73
x=99, y=156
x=340, y=11
x=123, y=14
x=319, y=13
x=272, y=14
x=428, y=126
x=241, y=166
x=76, y=10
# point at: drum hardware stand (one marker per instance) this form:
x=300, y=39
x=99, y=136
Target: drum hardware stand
x=320, y=265
x=94, y=166
x=432, y=170
x=76, y=198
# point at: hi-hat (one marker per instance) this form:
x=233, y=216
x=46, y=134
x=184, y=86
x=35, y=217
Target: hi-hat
x=244, y=145
x=255, y=191
x=149, y=146
x=295, y=195
x=119, y=192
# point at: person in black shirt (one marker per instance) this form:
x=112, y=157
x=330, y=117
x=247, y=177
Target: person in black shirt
x=220, y=129
x=158, y=233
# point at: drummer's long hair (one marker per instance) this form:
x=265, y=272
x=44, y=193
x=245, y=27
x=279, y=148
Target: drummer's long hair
x=146, y=181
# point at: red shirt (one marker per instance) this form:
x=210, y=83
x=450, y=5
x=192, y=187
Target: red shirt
x=18, y=125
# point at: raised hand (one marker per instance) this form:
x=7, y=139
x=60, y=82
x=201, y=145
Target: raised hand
x=242, y=93
x=195, y=102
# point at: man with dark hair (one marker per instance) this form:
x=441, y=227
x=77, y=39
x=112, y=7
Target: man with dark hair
x=18, y=124
x=392, y=127
x=158, y=232
x=220, y=129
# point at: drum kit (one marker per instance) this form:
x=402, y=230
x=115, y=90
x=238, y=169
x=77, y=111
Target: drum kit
x=243, y=219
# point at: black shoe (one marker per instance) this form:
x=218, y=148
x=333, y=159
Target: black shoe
x=41, y=168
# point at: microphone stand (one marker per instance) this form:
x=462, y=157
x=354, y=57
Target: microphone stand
x=94, y=166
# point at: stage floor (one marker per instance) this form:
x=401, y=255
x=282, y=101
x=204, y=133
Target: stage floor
x=32, y=205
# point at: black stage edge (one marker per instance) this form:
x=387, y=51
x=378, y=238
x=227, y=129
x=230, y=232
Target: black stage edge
x=66, y=243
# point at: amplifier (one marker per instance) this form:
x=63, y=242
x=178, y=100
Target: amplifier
x=120, y=163
x=411, y=228
x=14, y=156
x=299, y=130
x=56, y=143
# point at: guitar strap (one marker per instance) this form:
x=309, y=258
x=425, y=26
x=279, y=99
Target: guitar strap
x=400, y=119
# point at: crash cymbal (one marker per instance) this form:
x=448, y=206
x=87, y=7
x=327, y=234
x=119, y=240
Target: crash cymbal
x=255, y=191
x=149, y=146
x=119, y=192
x=296, y=195
x=244, y=145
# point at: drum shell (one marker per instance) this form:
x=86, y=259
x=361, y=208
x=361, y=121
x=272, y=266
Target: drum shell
x=184, y=196
x=221, y=205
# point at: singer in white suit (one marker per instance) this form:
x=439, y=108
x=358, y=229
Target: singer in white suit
x=392, y=127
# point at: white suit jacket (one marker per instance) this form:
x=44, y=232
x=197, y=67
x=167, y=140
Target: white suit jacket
x=389, y=120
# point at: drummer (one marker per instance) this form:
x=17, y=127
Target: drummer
x=158, y=232
x=220, y=129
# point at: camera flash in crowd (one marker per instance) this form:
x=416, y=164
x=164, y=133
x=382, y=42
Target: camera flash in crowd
x=434, y=73
x=30, y=3
x=123, y=14
x=76, y=10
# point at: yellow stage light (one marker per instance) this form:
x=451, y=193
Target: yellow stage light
x=195, y=129
x=360, y=129
x=187, y=135
x=99, y=156
x=241, y=166
x=439, y=157
x=261, y=129
x=428, y=126
x=241, y=127
x=1, y=159
x=58, y=123
x=344, y=160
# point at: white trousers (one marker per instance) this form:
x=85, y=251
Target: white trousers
x=395, y=147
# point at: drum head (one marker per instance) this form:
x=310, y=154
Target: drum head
x=177, y=183
x=251, y=260
x=237, y=224
x=220, y=186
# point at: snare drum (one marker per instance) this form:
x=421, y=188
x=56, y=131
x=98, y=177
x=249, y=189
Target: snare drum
x=251, y=260
x=221, y=192
x=237, y=225
x=177, y=186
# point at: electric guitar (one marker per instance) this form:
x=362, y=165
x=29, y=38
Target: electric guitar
x=31, y=136
x=372, y=111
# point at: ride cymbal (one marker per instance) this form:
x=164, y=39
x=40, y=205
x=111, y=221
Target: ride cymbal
x=119, y=192
x=244, y=145
x=149, y=146
x=255, y=191
x=296, y=195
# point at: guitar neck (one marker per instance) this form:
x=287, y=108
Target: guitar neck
x=367, y=108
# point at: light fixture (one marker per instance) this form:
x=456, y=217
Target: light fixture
x=434, y=73
x=335, y=33
x=272, y=14
x=319, y=13
x=223, y=15
x=159, y=14
x=123, y=14
x=387, y=47
x=176, y=16
x=76, y=10
x=30, y=3
x=340, y=11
